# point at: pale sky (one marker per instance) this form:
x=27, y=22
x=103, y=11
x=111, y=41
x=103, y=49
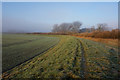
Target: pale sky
x=41, y=16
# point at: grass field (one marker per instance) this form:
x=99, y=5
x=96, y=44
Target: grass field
x=71, y=57
x=17, y=48
x=62, y=57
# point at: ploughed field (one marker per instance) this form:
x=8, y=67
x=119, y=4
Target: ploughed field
x=57, y=56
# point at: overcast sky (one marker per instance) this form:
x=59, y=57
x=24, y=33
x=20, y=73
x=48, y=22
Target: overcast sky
x=40, y=16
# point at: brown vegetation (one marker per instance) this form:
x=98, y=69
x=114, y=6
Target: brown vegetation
x=113, y=42
x=108, y=37
x=114, y=34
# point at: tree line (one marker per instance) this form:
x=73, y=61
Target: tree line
x=75, y=28
x=67, y=27
x=101, y=31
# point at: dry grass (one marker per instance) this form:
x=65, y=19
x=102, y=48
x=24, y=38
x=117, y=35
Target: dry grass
x=113, y=42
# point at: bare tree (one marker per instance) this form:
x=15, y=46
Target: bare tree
x=64, y=27
x=55, y=28
x=67, y=27
x=102, y=27
x=76, y=26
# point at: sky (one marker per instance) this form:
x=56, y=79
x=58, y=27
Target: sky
x=41, y=16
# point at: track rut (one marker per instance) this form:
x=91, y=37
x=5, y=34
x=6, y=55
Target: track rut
x=79, y=63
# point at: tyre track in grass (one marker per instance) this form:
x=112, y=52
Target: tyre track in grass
x=75, y=71
x=83, y=61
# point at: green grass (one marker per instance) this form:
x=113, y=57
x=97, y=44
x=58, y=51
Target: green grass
x=18, y=48
x=56, y=62
x=101, y=60
x=65, y=60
